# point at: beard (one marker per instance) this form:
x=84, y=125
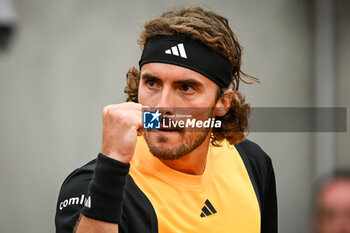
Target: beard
x=189, y=143
x=190, y=140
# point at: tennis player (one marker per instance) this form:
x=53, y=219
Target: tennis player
x=174, y=157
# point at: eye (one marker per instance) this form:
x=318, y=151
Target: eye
x=150, y=83
x=188, y=89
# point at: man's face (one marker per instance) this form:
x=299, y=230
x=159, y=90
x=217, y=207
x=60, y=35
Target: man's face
x=172, y=89
x=334, y=208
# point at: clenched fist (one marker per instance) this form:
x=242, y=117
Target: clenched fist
x=122, y=123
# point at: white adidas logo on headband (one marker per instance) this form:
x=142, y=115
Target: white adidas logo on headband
x=176, y=49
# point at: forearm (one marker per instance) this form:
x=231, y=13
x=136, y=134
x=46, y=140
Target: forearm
x=102, y=211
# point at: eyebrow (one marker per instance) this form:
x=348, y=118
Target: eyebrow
x=150, y=76
x=189, y=82
x=185, y=81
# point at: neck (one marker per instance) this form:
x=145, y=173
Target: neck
x=192, y=163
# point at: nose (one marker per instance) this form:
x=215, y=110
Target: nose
x=166, y=101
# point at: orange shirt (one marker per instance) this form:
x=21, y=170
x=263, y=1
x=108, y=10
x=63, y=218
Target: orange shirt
x=222, y=199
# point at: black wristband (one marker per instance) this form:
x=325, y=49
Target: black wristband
x=106, y=190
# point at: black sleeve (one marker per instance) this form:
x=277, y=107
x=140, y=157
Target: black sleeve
x=269, y=208
x=261, y=173
x=72, y=197
x=137, y=216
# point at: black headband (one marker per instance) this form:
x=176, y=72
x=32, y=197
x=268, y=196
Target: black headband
x=182, y=51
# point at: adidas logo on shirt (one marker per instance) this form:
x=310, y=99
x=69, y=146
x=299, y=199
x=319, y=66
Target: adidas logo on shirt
x=178, y=50
x=208, y=209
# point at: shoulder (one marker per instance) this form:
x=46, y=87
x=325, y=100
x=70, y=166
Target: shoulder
x=72, y=196
x=77, y=181
x=80, y=173
x=255, y=154
x=260, y=169
x=258, y=165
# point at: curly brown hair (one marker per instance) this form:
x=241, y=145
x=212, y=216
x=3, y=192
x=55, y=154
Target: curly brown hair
x=214, y=31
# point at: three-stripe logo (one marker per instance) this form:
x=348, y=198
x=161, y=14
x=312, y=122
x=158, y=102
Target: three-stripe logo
x=208, y=209
x=178, y=50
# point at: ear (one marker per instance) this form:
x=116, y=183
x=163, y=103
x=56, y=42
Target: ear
x=224, y=103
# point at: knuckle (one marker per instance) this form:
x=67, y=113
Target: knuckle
x=120, y=115
x=107, y=109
